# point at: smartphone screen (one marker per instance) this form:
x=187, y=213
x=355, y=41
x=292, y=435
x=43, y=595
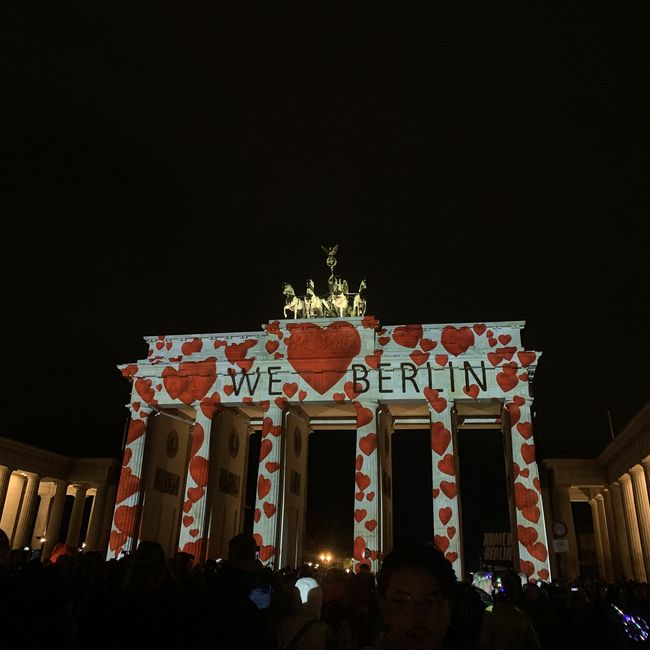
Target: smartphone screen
x=261, y=596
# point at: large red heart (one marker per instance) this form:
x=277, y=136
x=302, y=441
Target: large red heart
x=449, y=489
x=210, y=405
x=272, y=467
x=371, y=524
x=514, y=412
x=364, y=415
x=457, y=341
x=471, y=391
x=290, y=389
x=445, y=514
x=265, y=448
x=360, y=514
x=447, y=465
x=188, y=521
x=129, y=370
x=125, y=518
x=543, y=574
x=267, y=552
x=129, y=484
x=128, y=452
x=117, y=541
x=528, y=453
x=144, y=388
x=524, y=498
x=442, y=543
x=236, y=354
x=368, y=443
x=525, y=429
x=269, y=509
x=321, y=356
x=407, y=335
x=359, y=548
x=194, y=532
x=428, y=345
x=452, y=556
x=532, y=514
x=526, y=567
x=195, y=493
x=362, y=480
x=192, y=381
x=441, y=359
x=263, y=487
x=199, y=467
x=419, y=357
x=197, y=438
x=507, y=379
x=494, y=358
x=538, y=551
x=137, y=428
x=440, y=438
x=373, y=360
x=526, y=358
x=190, y=347
x=438, y=404
x=526, y=534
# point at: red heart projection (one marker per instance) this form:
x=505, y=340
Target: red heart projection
x=192, y=381
x=199, y=470
x=419, y=357
x=526, y=534
x=358, y=496
x=526, y=358
x=471, y=391
x=129, y=370
x=194, y=532
x=269, y=509
x=280, y=402
x=257, y=515
x=338, y=397
x=504, y=339
x=479, y=328
x=494, y=358
x=441, y=359
x=435, y=492
x=441, y=542
x=371, y=525
x=360, y=514
x=524, y=498
x=428, y=345
x=117, y=541
x=543, y=574
x=290, y=389
x=492, y=341
x=271, y=346
x=228, y=389
x=264, y=405
x=445, y=514
x=362, y=480
x=507, y=379
x=352, y=391
x=369, y=322
x=368, y=443
x=128, y=452
x=449, y=489
x=129, y=485
x=523, y=376
x=407, y=335
x=302, y=394
x=452, y=556
x=265, y=448
x=188, y=521
x=321, y=356
x=144, y=388
x=514, y=413
x=197, y=439
x=538, y=551
x=440, y=438
x=274, y=328
x=272, y=467
x=125, y=518
x=517, y=400
x=359, y=548
x=537, y=484
x=190, y=347
x=263, y=487
x=451, y=531
x=457, y=341
x=438, y=404
x=194, y=494
x=266, y=552
x=528, y=453
x=364, y=415
x=374, y=359
x=358, y=462
x=526, y=567
x=370, y=496
x=136, y=406
x=137, y=428
x=210, y=405
x=236, y=354
x=532, y=514
x=447, y=465
x=269, y=428
x=187, y=506
x=525, y=430
x=506, y=353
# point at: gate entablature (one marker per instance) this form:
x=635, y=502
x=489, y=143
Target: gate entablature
x=341, y=361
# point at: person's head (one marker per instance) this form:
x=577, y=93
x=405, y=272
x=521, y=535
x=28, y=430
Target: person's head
x=415, y=586
x=483, y=580
x=510, y=587
x=311, y=597
x=242, y=552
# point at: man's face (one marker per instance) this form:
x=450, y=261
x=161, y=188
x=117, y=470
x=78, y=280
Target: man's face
x=414, y=609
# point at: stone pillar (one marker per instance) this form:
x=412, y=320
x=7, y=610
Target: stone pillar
x=27, y=514
x=53, y=528
x=604, y=539
x=447, y=525
x=96, y=519
x=74, y=527
x=40, y=523
x=266, y=529
x=640, y=490
x=128, y=503
x=111, y=494
x=367, y=496
x=570, y=565
x=632, y=525
x=602, y=573
x=531, y=526
x=617, y=563
x=621, y=530
x=5, y=476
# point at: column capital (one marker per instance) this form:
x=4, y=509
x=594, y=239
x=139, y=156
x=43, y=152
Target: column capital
x=637, y=469
x=599, y=497
x=624, y=478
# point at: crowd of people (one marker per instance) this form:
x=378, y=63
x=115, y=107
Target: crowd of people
x=144, y=600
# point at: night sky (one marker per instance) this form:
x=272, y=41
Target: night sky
x=166, y=167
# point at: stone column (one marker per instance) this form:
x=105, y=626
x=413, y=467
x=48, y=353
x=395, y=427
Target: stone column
x=96, y=519
x=617, y=563
x=621, y=530
x=193, y=537
x=638, y=565
x=53, y=528
x=602, y=573
x=27, y=514
x=74, y=527
x=128, y=503
x=570, y=565
x=266, y=528
x=5, y=476
x=640, y=490
x=604, y=539
x=531, y=526
x=111, y=494
x=447, y=528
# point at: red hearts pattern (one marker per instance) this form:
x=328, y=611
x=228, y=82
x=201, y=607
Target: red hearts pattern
x=457, y=340
x=440, y=438
x=407, y=335
x=438, y=404
x=368, y=443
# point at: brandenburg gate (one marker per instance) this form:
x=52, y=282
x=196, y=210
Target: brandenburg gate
x=196, y=398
